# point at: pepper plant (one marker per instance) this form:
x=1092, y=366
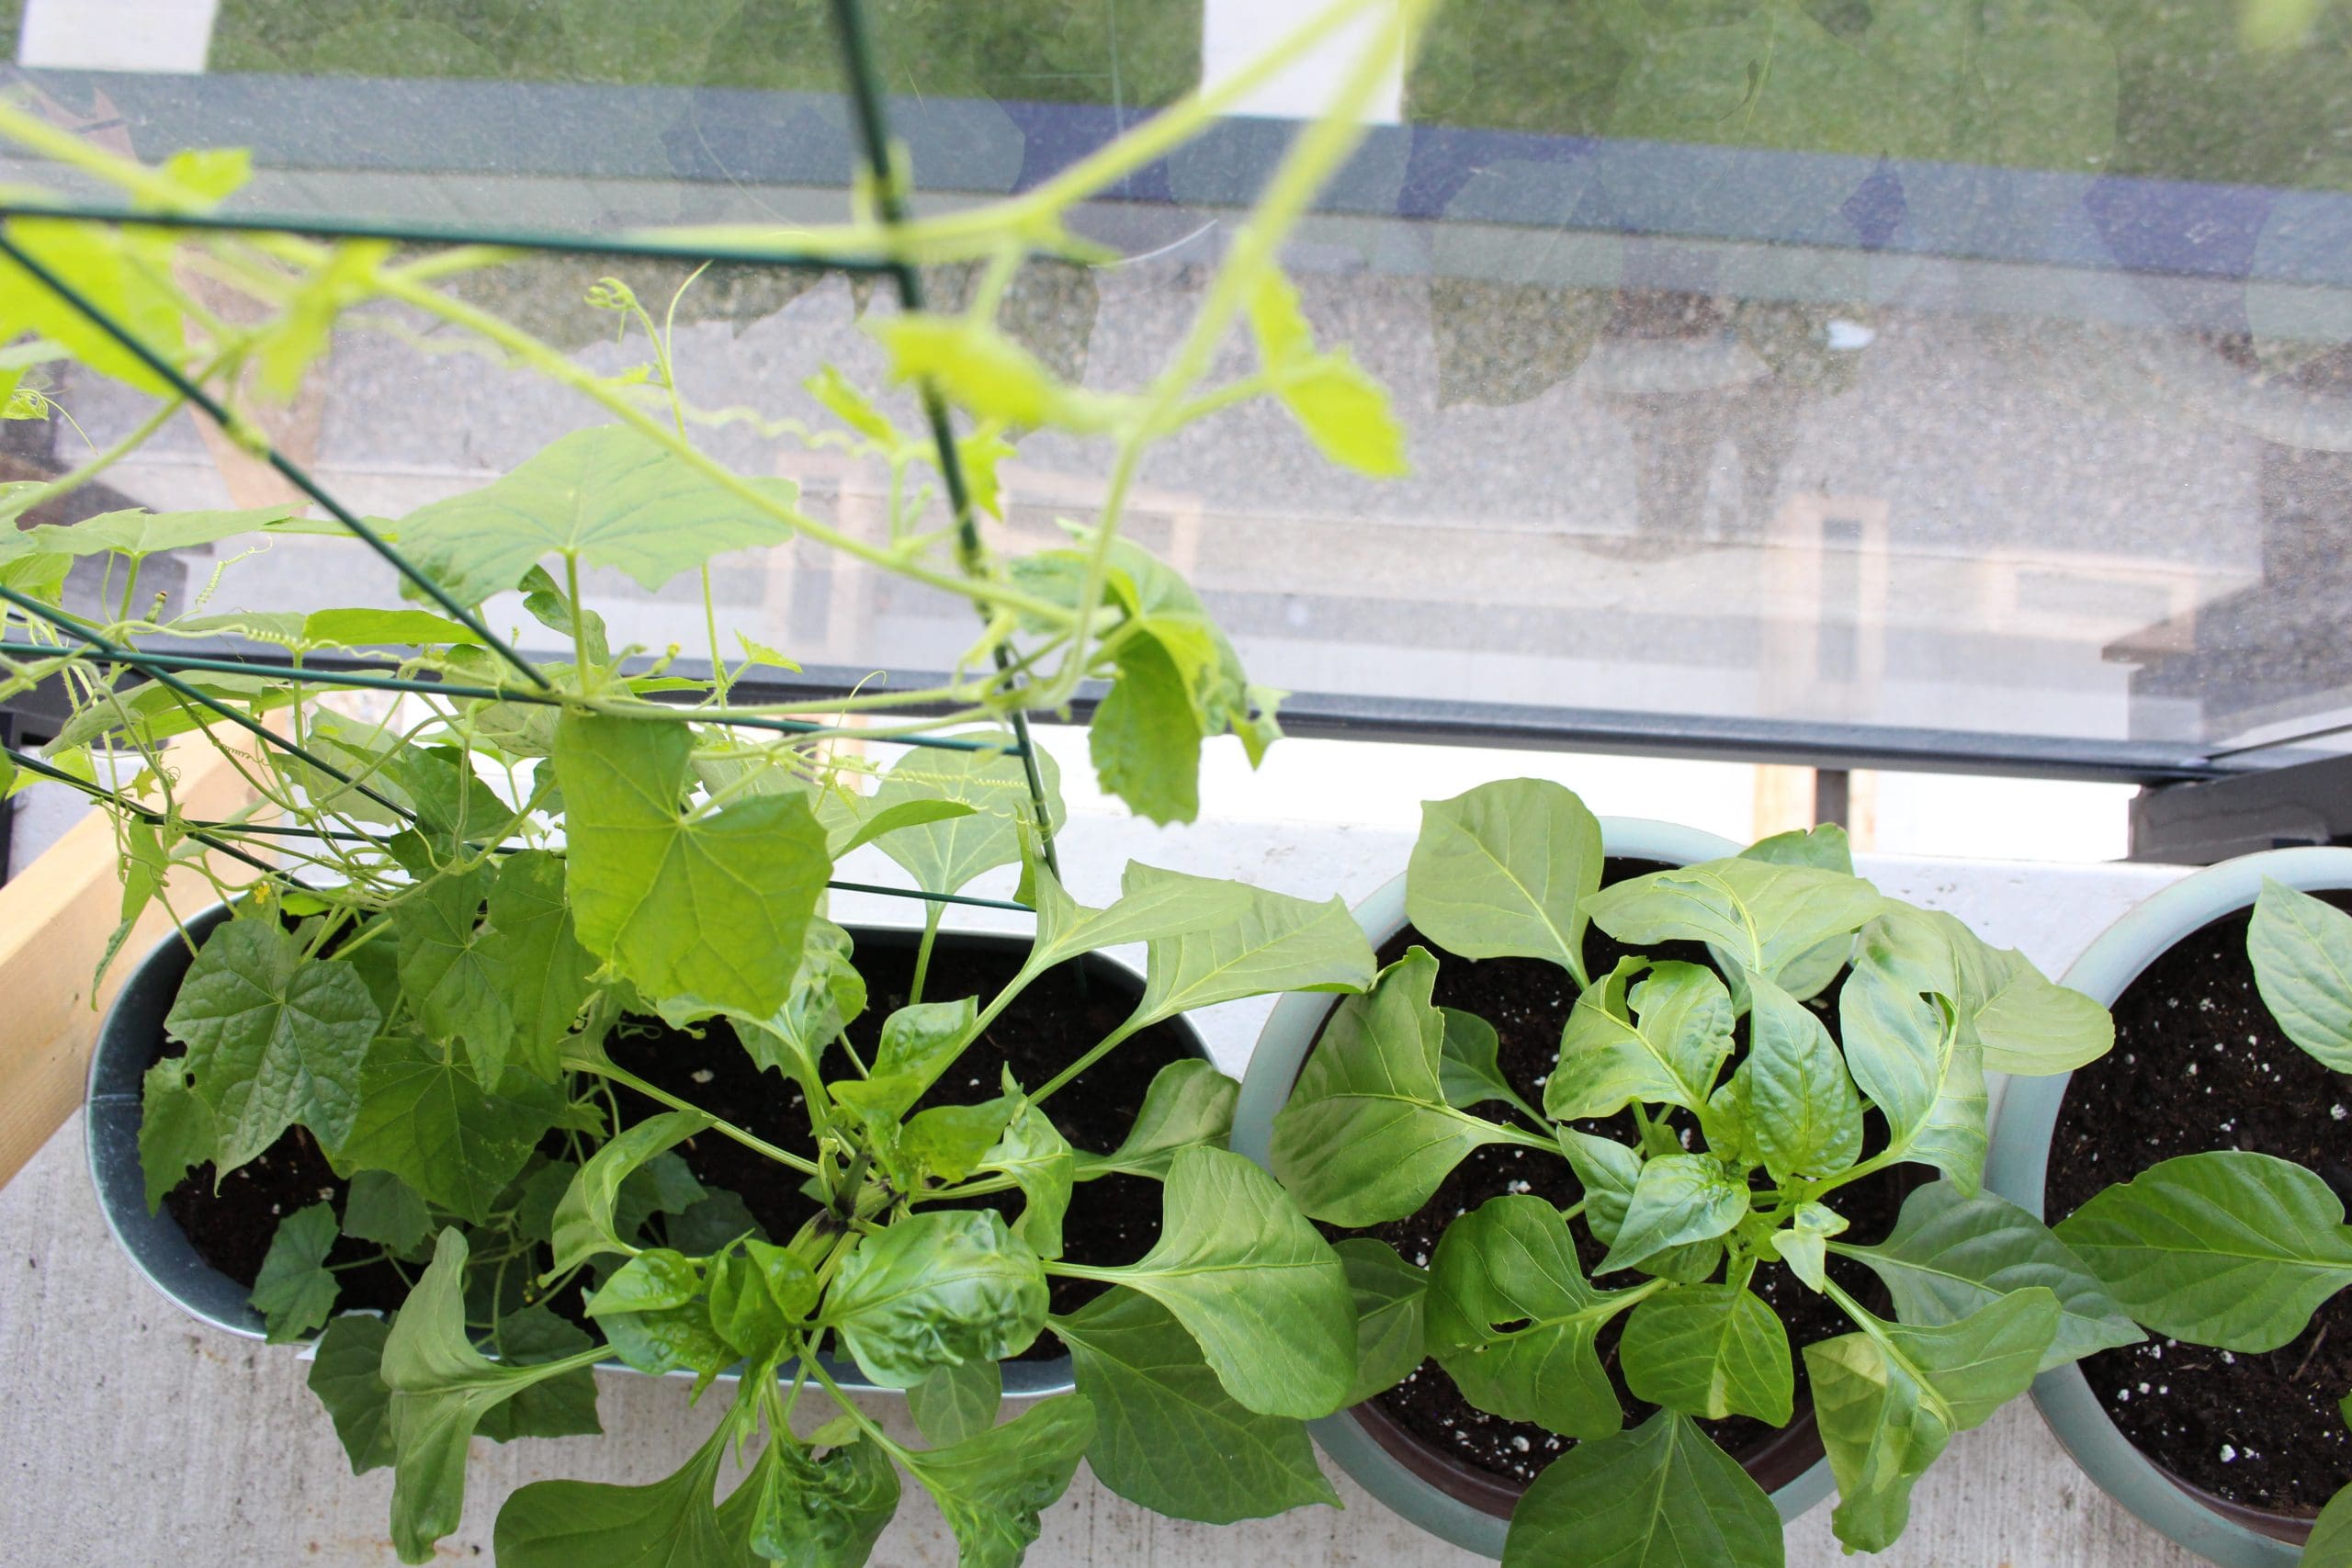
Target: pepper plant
x=2233, y=1248
x=1711, y=1118
x=466, y=872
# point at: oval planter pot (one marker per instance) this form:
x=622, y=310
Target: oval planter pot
x=1467, y=1508
x=2220, y=1531
x=132, y=1040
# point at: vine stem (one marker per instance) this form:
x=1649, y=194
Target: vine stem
x=622, y=1076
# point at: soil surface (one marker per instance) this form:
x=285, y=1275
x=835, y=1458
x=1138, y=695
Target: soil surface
x=1528, y=1002
x=2198, y=1065
x=1112, y=1221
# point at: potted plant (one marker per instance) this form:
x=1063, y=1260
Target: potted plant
x=1613, y=1143
x=2199, y=1171
x=522, y=1005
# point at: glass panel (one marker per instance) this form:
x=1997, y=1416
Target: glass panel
x=1812, y=368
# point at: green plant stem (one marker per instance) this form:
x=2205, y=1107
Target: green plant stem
x=73, y=479
x=1116, y=1037
x=622, y=1076
x=931, y=913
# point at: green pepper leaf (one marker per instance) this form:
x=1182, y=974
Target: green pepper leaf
x=1662, y=1495
x=1167, y=1435
x=2330, y=1545
x=669, y=1524
x=1252, y=1282
x=813, y=1512
x=425, y=1118
x=273, y=1038
x=1468, y=1072
x=1272, y=942
x=1392, y=1314
x=992, y=1486
x=346, y=1375
x=2228, y=1248
x=1911, y=1053
x=1609, y=1172
x=688, y=905
x=1500, y=872
x=956, y=1401
x=1663, y=1044
x=2302, y=949
x=583, y=1220
x=1805, y=1116
x=1803, y=1246
x=653, y=1281
x=1678, y=1200
x=1035, y=1155
x=1710, y=1351
x=1760, y=916
x=1189, y=1105
x=1366, y=1135
x=1950, y=1253
x=295, y=1292
x=1511, y=1317
x=934, y=1288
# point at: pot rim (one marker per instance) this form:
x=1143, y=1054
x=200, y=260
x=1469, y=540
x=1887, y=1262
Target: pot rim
x=160, y=1253
x=1275, y=1065
x=2019, y=1166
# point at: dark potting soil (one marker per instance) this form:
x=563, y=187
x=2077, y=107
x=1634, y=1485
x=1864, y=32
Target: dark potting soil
x=2198, y=1063
x=1112, y=1221
x=1528, y=1002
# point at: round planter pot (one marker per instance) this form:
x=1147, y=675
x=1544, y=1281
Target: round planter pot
x=2220, y=1531
x=132, y=1040
x=1446, y=1498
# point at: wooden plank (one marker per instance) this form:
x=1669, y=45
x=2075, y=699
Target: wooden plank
x=55, y=918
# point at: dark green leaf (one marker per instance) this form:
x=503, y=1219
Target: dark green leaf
x=1662, y=1495
x=1166, y=1433
x=564, y=1405
x=1710, y=1351
x=2302, y=949
x=709, y=1223
x=583, y=1220
x=1145, y=738
x=273, y=1038
x=811, y=1512
x=607, y=497
x=934, y=1288
x=382, y=1208
x=756, y=1293
x=1511, y=1317
x=540, y=965
x=1189, y=1105
x=1366, y=1135
x=945, y=1141
x=992, y=1487
x=1467, y=1072
x=423, y=1117
x=1392, y=1314
x=2331, y=1541
x=650, y=1281
x=346, y=1374
x=669, y=1340
x=689, y=907
x=1678, y=1199
x=956, y=1401
x=1949, y=1255
x=176, y=1131
x=294, y=1292
x=456, y=993
x=1499, y=873
x=2229, y=1249
x=669, y=1524
x=1609, y=1172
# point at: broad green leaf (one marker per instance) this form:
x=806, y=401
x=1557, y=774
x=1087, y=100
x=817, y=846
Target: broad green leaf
x=1152, y=904
x=1499, y=873
x=979, y=369
x=382, y=1208
x=918, y=1042
x=1167, y=1435
x=1662, y=1044
x=377, y=628
x=662, y=1184
x=1804, y=1114
x=346, y=1376
x=2330, y=1545
x=1761, y=916
x=273, y=1038
x=1511, y=1317
x=2021, y=1019
x=2230, y=1248
x=992, y=1487
x=1823, y=847
x=944, y=852
x=669, y=1524
x=1909, y=1051
x=1392, y=1314
x=1679, y=1199
x=564, y=1405
x=934, y=1288
x=1344, y=411
x=451, y=986
x=687, y=904
x=669, y=1339
x=1035, y=1155
x=425, y=1118
x=583, y=1220
x=1252, y=1282
x=946, y=1142
x=1804, y=1244
x=653, y=1281
x=819, y=1512
x=138, y=533
x=1189, y=1105
x=541, y=968
x=956, y=1401
x=1711, y=1352
x=1608, y=1170
x=756, y=1292
x=295, y=1292
x=176, y=1131
x=1468, y=1071
x=606, y=497
x=1366, y=1135
x=441, y=1387
x=851, y=832
x=1274, y=943
x=2302, y=949
x=1144, y=737
x=1662, y=1495
x=1950, y=1253
x=1889, y=1399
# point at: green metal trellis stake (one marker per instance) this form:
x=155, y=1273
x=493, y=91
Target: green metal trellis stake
x=874, y=132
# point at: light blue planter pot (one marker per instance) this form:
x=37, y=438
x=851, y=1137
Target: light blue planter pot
x=1274, y=1066
x=2021, y=1159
